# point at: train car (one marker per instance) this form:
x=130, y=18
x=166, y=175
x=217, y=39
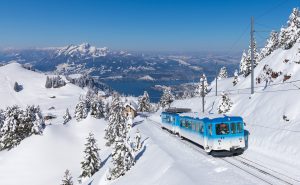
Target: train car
x=218, y=134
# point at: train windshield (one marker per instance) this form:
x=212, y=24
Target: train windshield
x=222, y=129
x=239, y=127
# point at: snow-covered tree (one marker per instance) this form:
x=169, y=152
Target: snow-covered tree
x=48, y=82
x=225, y=104
x=289, y=35
x=91, y=163
x=116, y=120
x=245, y=65
x=122, y=158
x=67, y=117
x=167, y=98
x=17, y=87
x=199, y=89
x=138, y=143
x=33, y=116
x=106, y=111
x=144, y=103
x=2, y=118
x=223, y=73
x=97, y=108
x=271, y=44
x=235, y=78
x=67, y=180
x=82, y=109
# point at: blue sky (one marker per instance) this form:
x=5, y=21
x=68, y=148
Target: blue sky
x=140, y=25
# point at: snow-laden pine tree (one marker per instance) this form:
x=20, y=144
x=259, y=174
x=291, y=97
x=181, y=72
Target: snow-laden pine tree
x=245, y=65
x=199, y=89
x=48, y=83
x=2, y=118
x=33, y=116
x=19, y=124
x=67, y=117
x=67, y=180
x=116, y=120
x=167, y=98
x=10, y=135
x=289, y=35
x=17, y=87
x=82, y=109
x=223, y=73
x=122, y=157
x=92, y=162
x=144, y=103
x=106, y=111
x=271, y=44
x=235, y=78
x=97, y=108
x=225, y=104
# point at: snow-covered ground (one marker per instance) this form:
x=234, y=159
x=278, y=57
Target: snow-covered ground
x=163, y=159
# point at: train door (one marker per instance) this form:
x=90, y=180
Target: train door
x=208, y=137
x=200, y=131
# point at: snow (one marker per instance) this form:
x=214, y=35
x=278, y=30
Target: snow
x=147, y=78
x=271, y=138
x=163, y=159
x=83, y=50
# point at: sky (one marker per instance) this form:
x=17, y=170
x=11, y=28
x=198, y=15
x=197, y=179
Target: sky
x=141, y=25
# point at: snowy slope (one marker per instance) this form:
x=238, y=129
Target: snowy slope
x=43, y=159
x=272, y=140
x=34, y=91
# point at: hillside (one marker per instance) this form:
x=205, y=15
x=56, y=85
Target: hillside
x=273, y=140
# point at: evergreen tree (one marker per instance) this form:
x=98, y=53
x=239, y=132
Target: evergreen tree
x=198, y=89
x=235, y=78
x=17, y=87
x=167, y=98
x=223, y=73
x=97, y=108
x=2, y=118
x=91, y=163
x=81, y=109
x=34, y=116
x=106, y=111
x=271, y=44
x=225, y=104
x=10, y=136
x=245, y=65
x=289, y=35
x=67, y=117
x=122, y=158
x=67, y=180
x=48, y=82
x=116, y=120
x=144, y=103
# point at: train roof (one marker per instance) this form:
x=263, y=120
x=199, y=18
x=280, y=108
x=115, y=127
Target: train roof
x=210, y=117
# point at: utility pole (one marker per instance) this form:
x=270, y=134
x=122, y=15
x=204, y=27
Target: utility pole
x=252, y=55
x=216, y=80
x=202, y=93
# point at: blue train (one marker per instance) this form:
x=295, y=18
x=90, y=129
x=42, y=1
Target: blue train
x=218, y=135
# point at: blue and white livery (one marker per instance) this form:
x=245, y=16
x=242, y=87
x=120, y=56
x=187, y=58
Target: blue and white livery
x=215, y=133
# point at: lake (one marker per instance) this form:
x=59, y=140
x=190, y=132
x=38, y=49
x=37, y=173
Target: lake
x=137, y=87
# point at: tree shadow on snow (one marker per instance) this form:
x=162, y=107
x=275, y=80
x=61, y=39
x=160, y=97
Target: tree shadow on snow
x=137, y=123
x=139, y=155
x=105, y=160
x=246, y=135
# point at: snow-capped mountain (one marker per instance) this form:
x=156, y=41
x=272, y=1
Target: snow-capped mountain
x=82, y=51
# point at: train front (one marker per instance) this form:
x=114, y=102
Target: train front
x=227, y=136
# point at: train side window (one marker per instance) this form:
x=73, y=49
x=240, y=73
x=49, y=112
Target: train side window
x=233, y=128
x=194, y=126
x=197, y=127
x=239, y=127
x=222, y=129
x=201, y=129
x=210, y=129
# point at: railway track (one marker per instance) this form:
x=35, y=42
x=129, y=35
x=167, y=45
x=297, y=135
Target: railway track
x=259, y=171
